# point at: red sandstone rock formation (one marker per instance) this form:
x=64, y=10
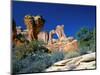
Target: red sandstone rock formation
x=34, y=25
x=63, y=43
x=51, y=33
x=29, y=22
x=71, y=46
x=60, y=32
x=39, y=23
x=43, y=36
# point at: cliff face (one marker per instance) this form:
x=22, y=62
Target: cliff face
x=87, y=61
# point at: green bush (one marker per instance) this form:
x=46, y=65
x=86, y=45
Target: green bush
x=36, y=62
x=71, y=54
x=28, y=49
x=87, y=49
x=57, y=56
x=87, y=40
x=33, y=57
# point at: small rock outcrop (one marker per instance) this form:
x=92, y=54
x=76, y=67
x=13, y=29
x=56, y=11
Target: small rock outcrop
x=87, y=61
x=63, y=43
x=43, y=36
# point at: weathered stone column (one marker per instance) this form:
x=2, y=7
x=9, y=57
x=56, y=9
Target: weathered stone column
x=29, y=22
x=51, y=33
x=60, y=32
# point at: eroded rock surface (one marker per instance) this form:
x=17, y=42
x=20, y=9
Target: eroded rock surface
x=33, y=31
x=87, y=61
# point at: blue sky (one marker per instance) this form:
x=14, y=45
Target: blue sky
x=72, y=16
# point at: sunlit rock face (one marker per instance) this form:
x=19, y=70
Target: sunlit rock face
x=71, y=46
x=39, y=23
x=29, y=22
x=43, y=36
x=34, y=25
x=33, y=31
x=51, y=33
x=64, y=46
x=60, y=32
x=63, y=43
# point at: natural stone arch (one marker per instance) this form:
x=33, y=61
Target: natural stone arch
x=51, y=33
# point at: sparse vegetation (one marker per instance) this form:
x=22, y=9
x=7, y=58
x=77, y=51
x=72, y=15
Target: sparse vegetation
x=71, y=54
x=34, y=57
x=86, y=39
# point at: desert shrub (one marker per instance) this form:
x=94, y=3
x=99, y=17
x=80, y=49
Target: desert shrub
x=33, y=57
x=83, y=50
x=31, y=63
x=87, y=49
x=28, y=49
x=87, y=40
x=39, y=63
x=16, y=66
x=71, y=54
x=36, y=62
x=57, y=56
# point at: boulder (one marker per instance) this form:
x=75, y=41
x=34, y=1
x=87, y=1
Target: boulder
x=82, y=62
